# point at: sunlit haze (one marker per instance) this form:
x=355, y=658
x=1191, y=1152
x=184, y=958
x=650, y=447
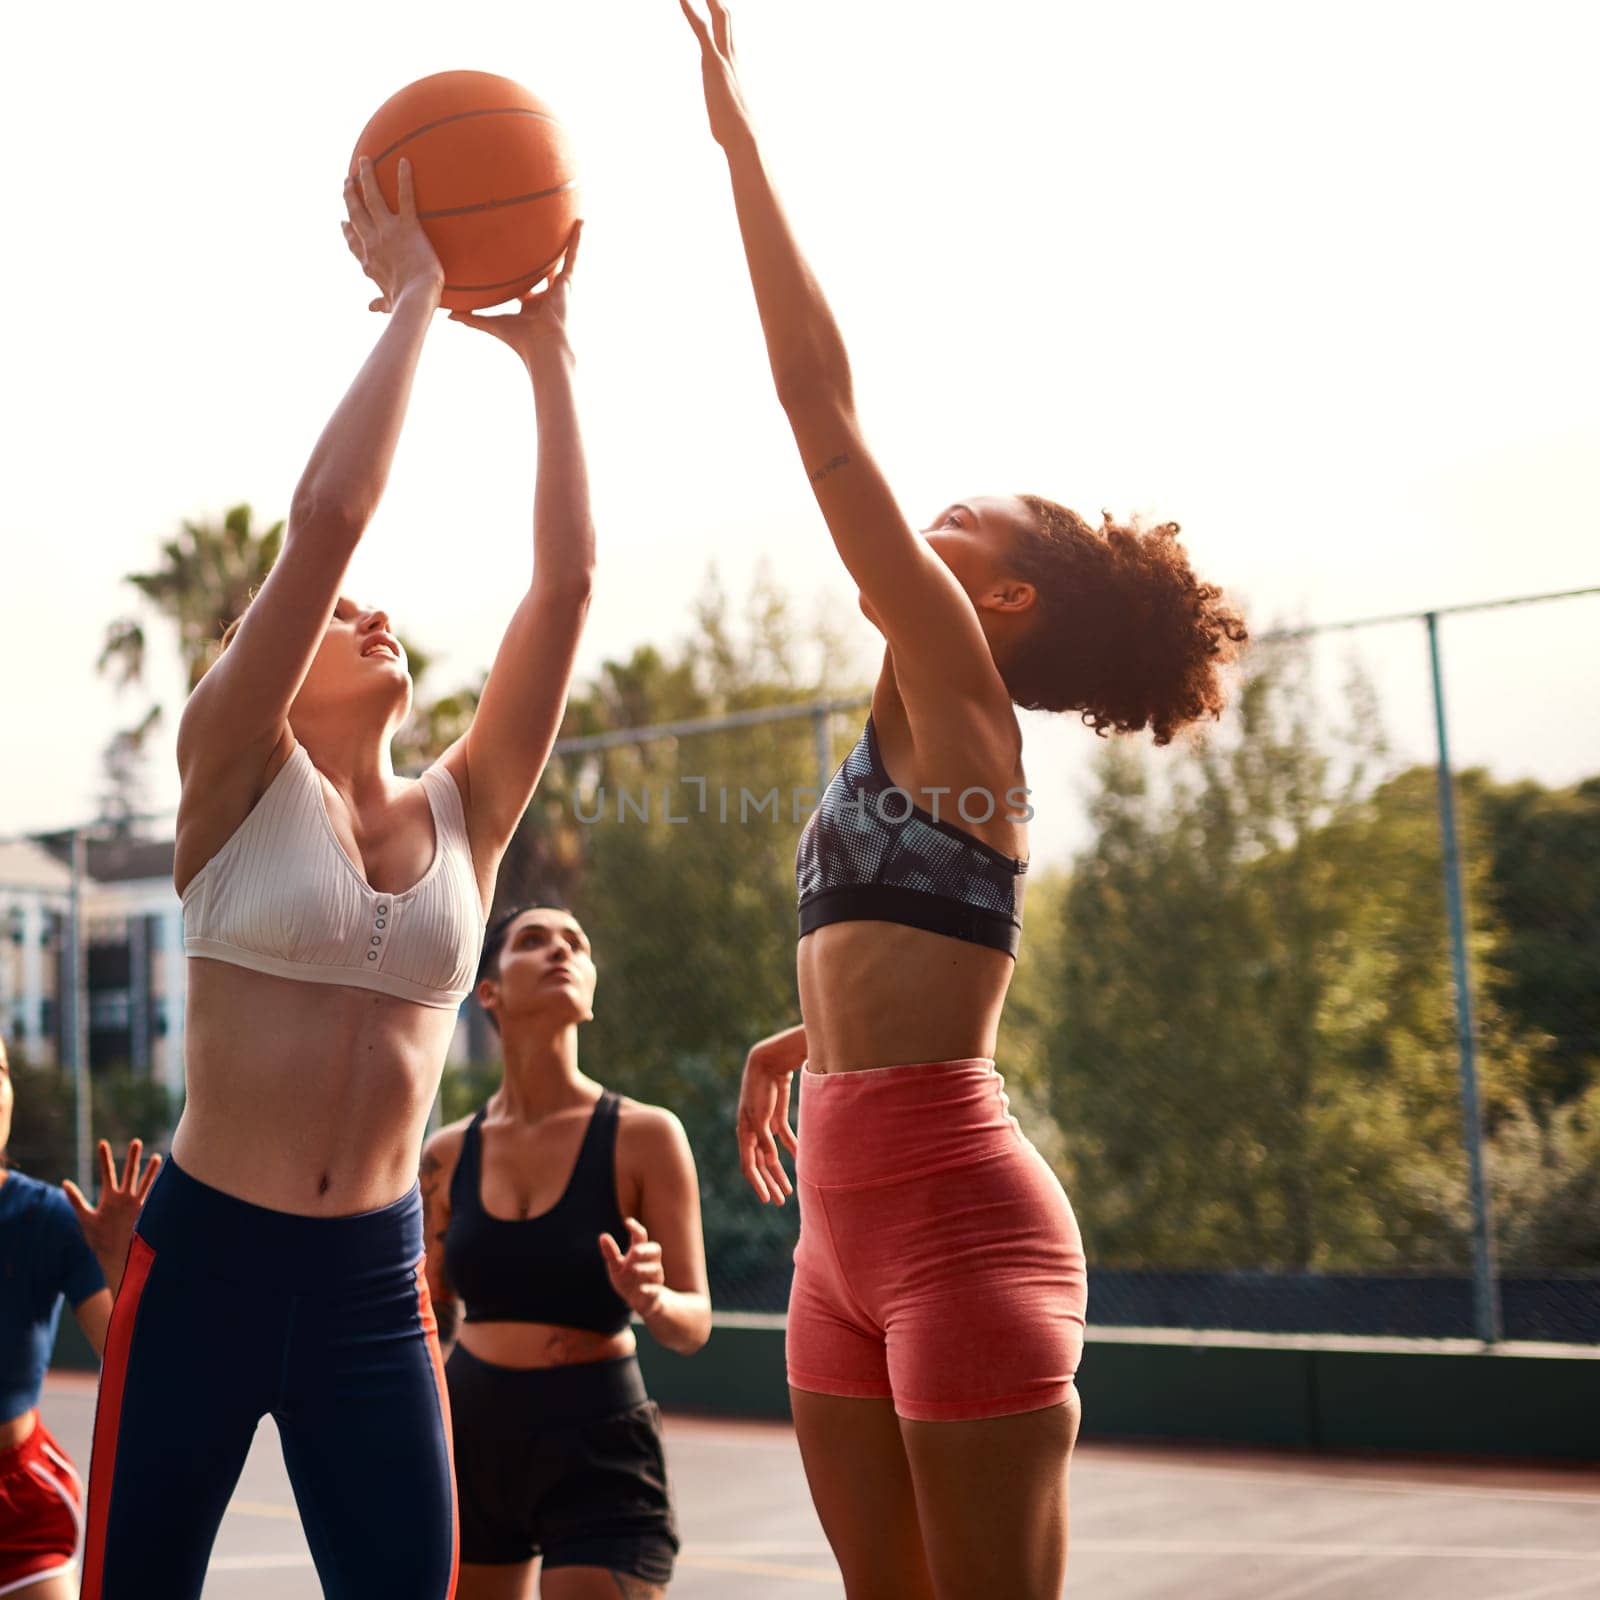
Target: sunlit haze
x=1318, y=282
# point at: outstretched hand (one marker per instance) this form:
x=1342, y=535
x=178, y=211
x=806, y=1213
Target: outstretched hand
x=108, y=1226
x=540, y=318
x=637, y=1276
x=392, y=247
x=763, y=1113
x=730, y=118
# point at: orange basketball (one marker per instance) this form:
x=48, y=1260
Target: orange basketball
x=494, y=175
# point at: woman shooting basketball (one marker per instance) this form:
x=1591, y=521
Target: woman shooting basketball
x=333, y=915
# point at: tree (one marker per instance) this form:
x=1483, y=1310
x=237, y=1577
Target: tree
x=1254, y=1062
x=1544, y=888
x=205, y=579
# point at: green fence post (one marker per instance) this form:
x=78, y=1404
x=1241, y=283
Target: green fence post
x=1485, y=1285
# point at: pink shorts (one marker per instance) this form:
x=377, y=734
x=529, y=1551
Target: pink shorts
x=939, y=1263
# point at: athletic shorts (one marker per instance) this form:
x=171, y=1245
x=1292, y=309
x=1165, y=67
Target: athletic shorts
x=561, y=1462
x=939, y=1263
x=41, y=1511
x=229, y=1312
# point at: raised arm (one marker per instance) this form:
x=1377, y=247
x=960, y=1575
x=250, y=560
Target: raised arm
x=912, y=595
x=499, y=761
x=242, y=705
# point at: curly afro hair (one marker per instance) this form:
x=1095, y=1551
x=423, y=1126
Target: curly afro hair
x=1125, y=633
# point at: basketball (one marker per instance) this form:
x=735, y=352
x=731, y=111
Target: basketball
x=494, y=175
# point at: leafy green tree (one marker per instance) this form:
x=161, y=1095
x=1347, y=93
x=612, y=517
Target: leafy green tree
x=1254, y=1062
x=1544, y=889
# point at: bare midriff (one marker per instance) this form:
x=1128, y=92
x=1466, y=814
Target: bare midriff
x=15, y=1429
x=879, y=994
x=542, y=1344
x=306, y=1097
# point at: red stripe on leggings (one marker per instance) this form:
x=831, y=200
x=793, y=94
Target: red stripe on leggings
x=108, y=1412
x=430, y=1327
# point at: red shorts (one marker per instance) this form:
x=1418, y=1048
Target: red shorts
x=939, y=1262
x=41, y=1511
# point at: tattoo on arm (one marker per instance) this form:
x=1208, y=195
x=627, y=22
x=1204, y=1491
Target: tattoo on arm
x=828, y=468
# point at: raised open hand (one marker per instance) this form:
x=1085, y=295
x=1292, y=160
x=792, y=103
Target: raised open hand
x=730, y=118
x=108, y=1226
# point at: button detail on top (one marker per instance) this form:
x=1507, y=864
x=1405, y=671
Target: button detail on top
x=376, y=939
x=372, y=955
x=378, y=922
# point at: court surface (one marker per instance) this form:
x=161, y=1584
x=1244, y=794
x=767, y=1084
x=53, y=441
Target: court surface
x=1149, y=1523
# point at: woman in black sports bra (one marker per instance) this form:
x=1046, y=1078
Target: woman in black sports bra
x=936, y=1316
x=554, y=1215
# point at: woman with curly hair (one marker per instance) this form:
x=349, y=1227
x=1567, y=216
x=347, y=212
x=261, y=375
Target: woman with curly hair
x=936, y=1316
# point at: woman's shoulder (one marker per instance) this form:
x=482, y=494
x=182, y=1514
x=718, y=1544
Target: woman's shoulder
x=649, y=1132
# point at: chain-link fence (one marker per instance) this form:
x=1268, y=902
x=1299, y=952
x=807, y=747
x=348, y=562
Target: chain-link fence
x=1237, y=1027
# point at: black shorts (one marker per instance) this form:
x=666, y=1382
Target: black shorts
x=561, y=1462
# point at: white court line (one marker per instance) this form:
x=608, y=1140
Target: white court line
x=1307, y=1480
x=761, y=1569
x=1547, y=1591
x=261, y=1508
x=1263, y=1547
x=1176, y=1469
x=1321, y=1582
x=258, y=1563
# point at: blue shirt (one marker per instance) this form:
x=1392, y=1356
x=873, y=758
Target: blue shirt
x=43, y=1256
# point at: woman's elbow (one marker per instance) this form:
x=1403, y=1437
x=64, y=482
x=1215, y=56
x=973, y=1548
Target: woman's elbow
x=329, y=516
x=816, y=373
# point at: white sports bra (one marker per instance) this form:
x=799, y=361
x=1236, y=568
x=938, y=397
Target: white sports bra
x=282, y=896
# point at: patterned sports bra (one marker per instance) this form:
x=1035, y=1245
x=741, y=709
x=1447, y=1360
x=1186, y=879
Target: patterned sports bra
x=869, y=854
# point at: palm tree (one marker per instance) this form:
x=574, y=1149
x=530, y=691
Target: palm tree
x=206, y=578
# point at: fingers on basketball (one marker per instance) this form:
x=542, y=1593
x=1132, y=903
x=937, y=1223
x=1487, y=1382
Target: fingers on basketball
x=355, y=205
x=408, y=190
x=570, y=254
x=371, y=194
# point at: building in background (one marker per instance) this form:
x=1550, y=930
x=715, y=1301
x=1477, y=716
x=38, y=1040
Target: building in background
x=137, y=971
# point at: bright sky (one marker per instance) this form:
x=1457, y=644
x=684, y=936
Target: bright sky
x=1317, y=281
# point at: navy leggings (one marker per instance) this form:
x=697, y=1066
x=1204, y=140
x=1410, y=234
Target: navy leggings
x=228, y=1311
